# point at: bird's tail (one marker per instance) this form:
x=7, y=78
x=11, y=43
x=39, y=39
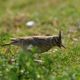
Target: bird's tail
x=7, y=44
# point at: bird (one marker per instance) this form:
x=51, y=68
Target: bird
x=39, y=43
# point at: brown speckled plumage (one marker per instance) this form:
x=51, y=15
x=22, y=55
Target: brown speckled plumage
x=42, y=43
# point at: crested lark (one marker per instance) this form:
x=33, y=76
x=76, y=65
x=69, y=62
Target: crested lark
x=40, y=43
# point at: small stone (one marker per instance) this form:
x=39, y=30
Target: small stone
x=30, y=24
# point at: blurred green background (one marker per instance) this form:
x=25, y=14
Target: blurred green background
x=49, y=16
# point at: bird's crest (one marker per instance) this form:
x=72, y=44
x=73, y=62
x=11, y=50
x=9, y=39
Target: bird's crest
x=60, y=40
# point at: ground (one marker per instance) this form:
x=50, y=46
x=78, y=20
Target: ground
x=49, y=16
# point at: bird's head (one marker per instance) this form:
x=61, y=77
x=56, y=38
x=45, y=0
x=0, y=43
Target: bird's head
x=58, y=40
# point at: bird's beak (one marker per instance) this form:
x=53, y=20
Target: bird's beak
x=63, y=46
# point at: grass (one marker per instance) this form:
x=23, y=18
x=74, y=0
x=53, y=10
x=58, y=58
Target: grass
x=50, y=16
